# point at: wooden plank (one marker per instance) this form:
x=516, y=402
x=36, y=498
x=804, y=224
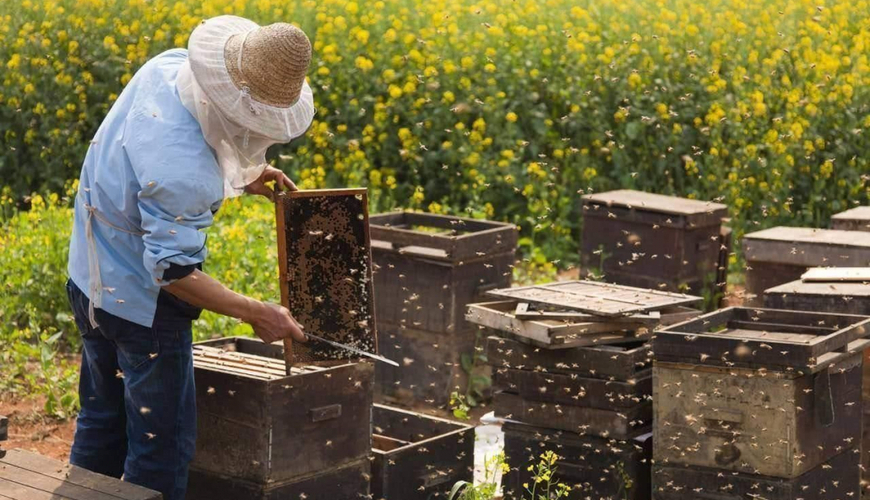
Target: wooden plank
x=855, y=219
x=589, y=421
x=326, y=265
x=597, y=298
x=37, y=475
x=798, y=287
x=525, y=313
x=551, y=333
x=835, y=274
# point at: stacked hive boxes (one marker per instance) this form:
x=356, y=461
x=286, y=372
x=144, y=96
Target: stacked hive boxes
x=649, y=240
x=428, y=268
x=263, y=434
x=782, y=254
x=832, y=295
x=577, y=383
x=758, y=403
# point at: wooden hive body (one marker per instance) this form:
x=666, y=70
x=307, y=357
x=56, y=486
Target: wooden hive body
x=599, y=391
x=782, y=254
x=593, y=467
x=276, y=428
x=418, y=457
x=836, y=479
x=779, y=424
x=652, y=241
x=428, y=268
x=27, y=476
x=855, y=219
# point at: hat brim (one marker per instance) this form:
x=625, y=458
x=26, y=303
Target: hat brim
x=206, y=55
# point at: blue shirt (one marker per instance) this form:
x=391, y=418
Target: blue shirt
x=148, y=171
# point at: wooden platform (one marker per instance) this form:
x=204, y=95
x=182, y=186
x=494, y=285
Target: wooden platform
x=28, y=476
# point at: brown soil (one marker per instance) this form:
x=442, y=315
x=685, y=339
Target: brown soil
x=30, y=430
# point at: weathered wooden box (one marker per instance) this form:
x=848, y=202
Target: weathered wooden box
x=845, y=298
x=345, y=482
x=594, y=468
x=855, y=219
x=429, y=267
x=27, y=476
x=782, y=254
x=652, y=241
x=256, y=424
x=431, y=366
x=608, y=362
x=773, y=423
x=760, y=338
x=418, y=457
x=836, y=479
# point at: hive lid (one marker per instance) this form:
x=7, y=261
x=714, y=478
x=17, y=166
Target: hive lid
x=856, y=214
x=700, y=213
x=810, y=247
x=798, y=287
x=604, y=299
x=324, y=256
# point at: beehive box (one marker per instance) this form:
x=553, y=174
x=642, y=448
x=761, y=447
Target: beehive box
x=418, y=457
x=855, y=219
x=846, y=298
x=28, y=476
x=599, y=391
x=760, y=338
x=346, y=482
x=652, y=241
x=429, y=267
x=257, y=424
x=723, y=381
x=593, y=467
x=782, y=254
x=836, y=479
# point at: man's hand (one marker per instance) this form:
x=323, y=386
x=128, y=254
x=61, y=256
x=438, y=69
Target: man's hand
x=282, y=182
x=274, y=323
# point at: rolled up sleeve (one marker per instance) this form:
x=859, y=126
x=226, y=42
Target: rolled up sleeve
x=174, y=211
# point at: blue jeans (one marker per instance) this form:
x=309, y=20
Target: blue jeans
x=138, y=415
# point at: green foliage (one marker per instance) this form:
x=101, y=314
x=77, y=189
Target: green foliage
x=501, y=108
x=486, y=490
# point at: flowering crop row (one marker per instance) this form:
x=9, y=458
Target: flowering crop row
x=499, y=108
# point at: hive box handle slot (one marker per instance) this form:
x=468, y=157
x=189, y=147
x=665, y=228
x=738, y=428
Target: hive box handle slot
x=325, y=413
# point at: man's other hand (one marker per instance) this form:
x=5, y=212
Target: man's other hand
x=282, y=182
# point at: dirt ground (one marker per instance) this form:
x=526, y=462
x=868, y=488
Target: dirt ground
x=30, y=430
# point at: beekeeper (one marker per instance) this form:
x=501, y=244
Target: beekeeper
x=189, y=130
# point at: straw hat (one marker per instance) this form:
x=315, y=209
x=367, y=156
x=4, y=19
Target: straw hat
x=255, y=75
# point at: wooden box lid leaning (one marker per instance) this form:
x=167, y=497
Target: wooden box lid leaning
x=254, y=421
x=593, y=467
x=28, y=476
x=416, y=456
x=855, y=219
